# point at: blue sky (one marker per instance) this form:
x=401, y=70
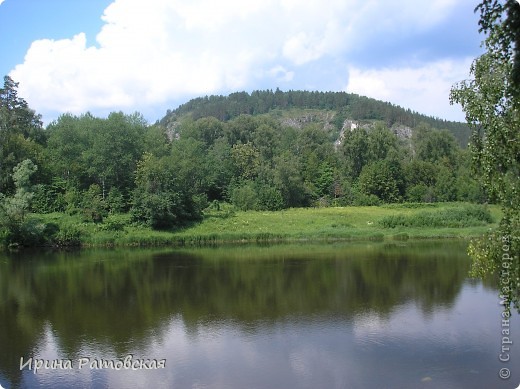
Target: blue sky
x=150, y=56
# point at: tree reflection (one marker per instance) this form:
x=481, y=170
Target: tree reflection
x=118, y=298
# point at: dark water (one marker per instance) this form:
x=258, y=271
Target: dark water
x=381, y=315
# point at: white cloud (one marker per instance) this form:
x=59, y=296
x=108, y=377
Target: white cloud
x=150, y=53
x=280, y=73
x=424, y=89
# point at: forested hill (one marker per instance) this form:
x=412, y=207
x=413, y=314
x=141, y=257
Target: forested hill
x=343, y=106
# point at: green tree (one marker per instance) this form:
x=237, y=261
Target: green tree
x=21, y=133
x=117, y=144
x=445, y=184
x=246, y=159
x=208, y=130
x=13, y=210
x=378, y=178
x=420, y=177
x=68, y=140
x=267, y=141
x=433, y=145
x=288, y=180
x=162, y=199
x=244, y=196
x=219, y=169
x=156, y=141
x=93, y=206
x=491, y=102
x=325, y=180
x=380, y=141
x=355, y=151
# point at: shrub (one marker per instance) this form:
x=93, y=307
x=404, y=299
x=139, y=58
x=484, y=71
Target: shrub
x=244, y=197
x=420, y=193
x=269, y=199
x=362, y=199
x=67, y=236
x=93, y=206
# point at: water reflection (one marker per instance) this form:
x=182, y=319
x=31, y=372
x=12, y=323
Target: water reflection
x=266, y=317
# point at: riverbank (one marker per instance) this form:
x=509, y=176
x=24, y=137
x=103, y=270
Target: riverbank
x=225, y=225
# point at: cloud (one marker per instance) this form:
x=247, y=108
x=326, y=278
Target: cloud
x=152, y=53
x=424, y=89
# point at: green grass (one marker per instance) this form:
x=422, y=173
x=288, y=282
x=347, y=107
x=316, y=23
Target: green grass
x=395, y=221
x=461, y=216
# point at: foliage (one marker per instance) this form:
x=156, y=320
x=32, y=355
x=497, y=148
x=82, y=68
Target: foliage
x=244, y=196
x=434, y=146
x=50, y=197
x=246, y=159
x=88, y=150
x=67, y=236
x=420, y=193
x=93, y=207
x=491, y=102
x=13, y=210
x=161, y=199
x=115, y=201
x=21, y=134
x=496, y=253
x=379, y=179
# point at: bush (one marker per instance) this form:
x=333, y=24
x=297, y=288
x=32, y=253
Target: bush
x=420, y=193
x=157, y=211
x=269, y=199
x=244, y=197
x=33, y=232
x=362, y=199
x=67, y=236
x=93, y=207
x=116, y=201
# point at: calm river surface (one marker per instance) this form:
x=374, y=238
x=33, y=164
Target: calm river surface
x=357, y=315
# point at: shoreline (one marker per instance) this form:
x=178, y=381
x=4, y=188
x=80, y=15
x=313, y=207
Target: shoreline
x=316, y=225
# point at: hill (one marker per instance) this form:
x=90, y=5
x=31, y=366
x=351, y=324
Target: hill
x=334, y=110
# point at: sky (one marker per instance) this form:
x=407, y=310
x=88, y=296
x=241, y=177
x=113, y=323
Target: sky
x=149, y=56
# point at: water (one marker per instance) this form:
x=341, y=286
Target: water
x=364, y=315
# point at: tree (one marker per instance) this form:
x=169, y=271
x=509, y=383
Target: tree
x=219, y=169
x=355, y=150
x=380, y=141
x=21, y=133
x=117, y=144
x=246, y=159
x=420, y=177
x=378, y=178
x=87, y=150
x=288, y=180
x=13, y=210
x=17, y=117
x=161, y=198
x=433, y=145
x=491, y=102
x=93, y=206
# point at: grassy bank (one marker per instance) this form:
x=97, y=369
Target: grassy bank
x=396, y=221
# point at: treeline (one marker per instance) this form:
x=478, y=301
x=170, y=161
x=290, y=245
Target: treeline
x=96, y=166
x=345, y=105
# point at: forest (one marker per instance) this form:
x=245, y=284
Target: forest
x=260, y=151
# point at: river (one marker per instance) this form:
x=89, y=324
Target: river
x=338, y=315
